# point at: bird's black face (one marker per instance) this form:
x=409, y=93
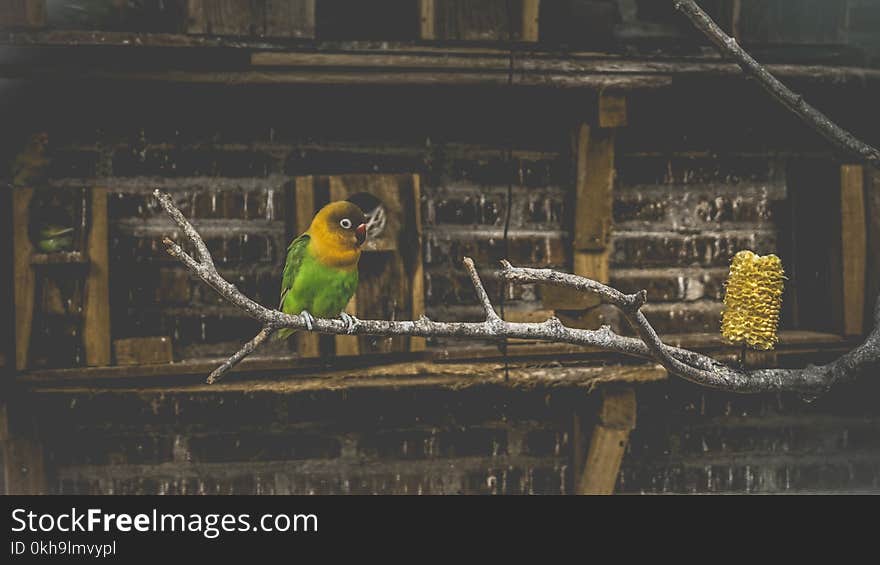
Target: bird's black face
x=349, y=219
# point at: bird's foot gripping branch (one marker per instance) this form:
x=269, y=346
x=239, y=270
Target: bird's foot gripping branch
x=687, y=364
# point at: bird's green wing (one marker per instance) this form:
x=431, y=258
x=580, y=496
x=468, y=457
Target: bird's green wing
x=296, y=251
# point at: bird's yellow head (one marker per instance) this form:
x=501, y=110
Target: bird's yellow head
x=338, y=230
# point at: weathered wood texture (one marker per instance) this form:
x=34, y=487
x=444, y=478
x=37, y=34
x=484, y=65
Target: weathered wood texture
x=96, y=310
x=854, y=247
x=872, y=208
x=791, y=21
x=593, y=217
x=23, y=275
x=24, y=469
x=22, y=13
x=143, y=350
x=473, y=21
x=616, y=419
x=269, y=18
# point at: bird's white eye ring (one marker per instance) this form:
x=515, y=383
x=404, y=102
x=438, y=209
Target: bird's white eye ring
x=345, y=223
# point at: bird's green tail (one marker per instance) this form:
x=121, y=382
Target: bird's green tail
x=284, y=333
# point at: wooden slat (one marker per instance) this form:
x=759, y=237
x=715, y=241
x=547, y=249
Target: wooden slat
x=96, y=310
x=595, y=182
x=23, y=275
x=854, y=247
x=221, y=17
x=530, y=20
x=617, y=418
x=418, y=276
x=594, y=153
x=308, y=344
x=4, y=420
x=23, y=467
x=735, y=15
x=290, y=18
x=360, y=372
x=872, y=205
x=427, y=19
x=612, y=110
x=22, y=13
x=143, y=350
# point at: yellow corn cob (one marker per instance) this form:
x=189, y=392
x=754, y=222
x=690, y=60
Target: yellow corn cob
x=753, y=300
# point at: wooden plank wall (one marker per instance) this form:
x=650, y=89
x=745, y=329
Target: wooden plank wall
x=96, y=311
x=22, y=13
x=484, y=21
x=854, y=247
x=269, y=18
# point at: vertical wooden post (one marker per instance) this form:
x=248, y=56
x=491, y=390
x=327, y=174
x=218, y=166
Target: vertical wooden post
x=308, y=344
x=617, y=418
x=735, y=14
x=96, y=320
x=872, y=206
x=854, y=247
x=594, y=185
x=530, y=20
x=418, y=280
x=427, y=17
x=23, y=275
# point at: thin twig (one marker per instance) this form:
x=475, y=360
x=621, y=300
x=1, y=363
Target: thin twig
x=687, y=364
x=788, y=98
x=246, y=350
x=491, y=315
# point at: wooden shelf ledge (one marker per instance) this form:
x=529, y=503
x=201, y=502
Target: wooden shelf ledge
x=98, y=55
x=545, y=364
x=421, y=374
x=59, y=258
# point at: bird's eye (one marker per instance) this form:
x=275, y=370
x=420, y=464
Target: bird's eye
x=345, y=223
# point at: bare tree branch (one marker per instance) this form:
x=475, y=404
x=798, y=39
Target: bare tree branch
x=687, y=364
x=788, y=98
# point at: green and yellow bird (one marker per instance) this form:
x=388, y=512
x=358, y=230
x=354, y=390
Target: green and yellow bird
x=321, y=271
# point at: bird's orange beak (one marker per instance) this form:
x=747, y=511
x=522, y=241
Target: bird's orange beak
x=361, y=233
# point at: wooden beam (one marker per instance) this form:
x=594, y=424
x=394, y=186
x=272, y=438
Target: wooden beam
x=418, y=282
x=854, y=247
x=595, y=182
x=427, y=18
x=23, y=276
x=594, y=155
x=530, y=20
x=872, y=205
x=617, y=418
x=308, y=344
x=96, y=310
